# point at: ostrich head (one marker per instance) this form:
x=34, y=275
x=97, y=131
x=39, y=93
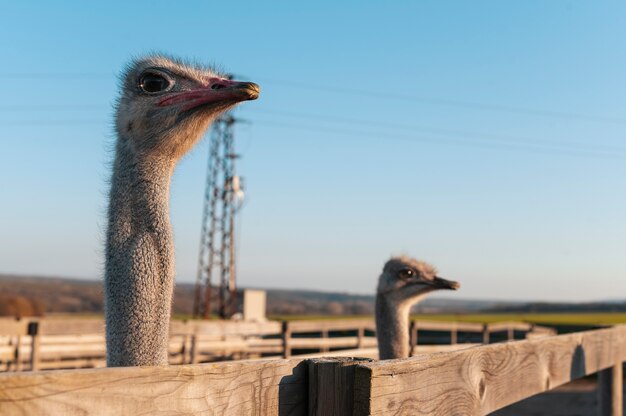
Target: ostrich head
x=166, y=105
x=406, y=280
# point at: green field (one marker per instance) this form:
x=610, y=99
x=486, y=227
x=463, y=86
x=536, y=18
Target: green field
x=591, y=318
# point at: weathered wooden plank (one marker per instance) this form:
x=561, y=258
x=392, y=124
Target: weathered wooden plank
x=536, y=335
x=448, y=326
x=242, y=388
x=543, y=330
x=225, y=328
x=469, y=327
x=70, y=326
x=505, y=326
x=478, y=380
x=73, y=363
x=336, y=342
x=72, y=339
x=331, y=325
x=7, y=353
x=180, y=328
x=10, y=326
x=371, y=353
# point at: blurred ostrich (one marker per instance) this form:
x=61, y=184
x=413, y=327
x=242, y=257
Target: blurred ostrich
x=403, y=283
x=164, y=108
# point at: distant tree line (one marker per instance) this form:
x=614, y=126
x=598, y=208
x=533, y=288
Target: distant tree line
x=20, y=306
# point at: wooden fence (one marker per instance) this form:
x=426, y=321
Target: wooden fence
x=468, y=381
x=79, y=343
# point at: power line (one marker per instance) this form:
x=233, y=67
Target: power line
x=50, y=107
x=473, y=143
x=335, y=119
x=435, y=130
x=64, y=122
x=471, y=105
x=57, y=75
x=449, y=136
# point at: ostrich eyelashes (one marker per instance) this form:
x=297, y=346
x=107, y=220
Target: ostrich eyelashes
x=152, y=83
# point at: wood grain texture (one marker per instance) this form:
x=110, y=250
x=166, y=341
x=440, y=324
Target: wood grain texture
x=480, y=380
x=276, y=387
x=331, y=386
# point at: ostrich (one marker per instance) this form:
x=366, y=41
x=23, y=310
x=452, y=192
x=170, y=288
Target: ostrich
x=403, y=283
x=164, y=108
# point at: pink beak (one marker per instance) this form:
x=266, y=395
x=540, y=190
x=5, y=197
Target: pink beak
x=217, y=90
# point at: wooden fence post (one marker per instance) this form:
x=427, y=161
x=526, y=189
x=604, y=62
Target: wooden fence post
x=610, y=399
x=186, y=349
x=324, y=337
x=454, y=334
x=412, y=337
x=331, y=385
x=193, y=349
x=510, y=333
x=360, y=334
x=33, y=331
x=286, y=337
x=18, y=354
x=486, y=334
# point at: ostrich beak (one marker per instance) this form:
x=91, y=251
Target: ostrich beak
x=441, y=283
x=217, y=90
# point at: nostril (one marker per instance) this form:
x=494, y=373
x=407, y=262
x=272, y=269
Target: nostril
x=217, y=86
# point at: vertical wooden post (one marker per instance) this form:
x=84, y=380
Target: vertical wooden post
x=486, y=334
x=18, y=355
x=286, y=337
x=360, y=335
x=193, y=350
x=510, y=333
x=453, y=334
x=324, y=337
x=33, y=331
x=412, y=337
x=186, y=351
x=610, y=399
x=331, y=385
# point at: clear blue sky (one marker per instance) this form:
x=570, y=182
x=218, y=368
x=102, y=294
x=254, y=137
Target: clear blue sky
x=486, y=137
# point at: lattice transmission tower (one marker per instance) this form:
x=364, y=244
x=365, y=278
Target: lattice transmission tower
x=222, y=199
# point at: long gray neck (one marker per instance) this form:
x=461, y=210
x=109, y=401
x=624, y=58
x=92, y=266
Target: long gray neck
x=392, y=327
x=139, y=273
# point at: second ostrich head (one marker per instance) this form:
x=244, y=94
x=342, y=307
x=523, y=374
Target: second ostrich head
x=403, y=282
x=407, y=280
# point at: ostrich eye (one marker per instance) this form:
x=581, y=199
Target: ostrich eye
x=406, y=273
x=153, y=83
